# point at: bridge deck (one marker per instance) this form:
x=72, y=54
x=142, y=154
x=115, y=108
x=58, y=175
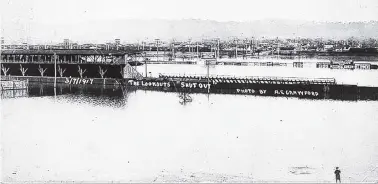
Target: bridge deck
x=67, y=52
x=111, y=57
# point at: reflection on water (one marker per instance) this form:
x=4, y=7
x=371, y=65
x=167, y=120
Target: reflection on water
x=14, y=93
x=115, y=96
x=112, y=134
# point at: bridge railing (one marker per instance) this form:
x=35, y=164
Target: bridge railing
x=253, y=78
x=77, y=59
x=13, y=84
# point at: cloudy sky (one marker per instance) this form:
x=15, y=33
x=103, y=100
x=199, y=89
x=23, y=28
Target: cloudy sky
x=22, y=13
x=221, y=10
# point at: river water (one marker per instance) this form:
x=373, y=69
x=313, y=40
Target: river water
x=112, y=134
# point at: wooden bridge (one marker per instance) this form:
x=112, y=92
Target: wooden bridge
x=65, y=56
x=88, y=63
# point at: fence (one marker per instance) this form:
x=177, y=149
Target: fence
x=13, y=84
x=253, y=79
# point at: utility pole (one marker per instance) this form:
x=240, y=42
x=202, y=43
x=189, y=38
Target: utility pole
x=197, y=52
x=278, y=48
x=54, y=76
x=54, y=70
x=1, y=47
x=157, y=49
x=173, y=51
x=212, y=49
x=145, y=64
x=252, y=47
x=246, y=47
x=190, y=49
x=218, y=49
x=208, y=76
x=300, y=47
x=236, y=48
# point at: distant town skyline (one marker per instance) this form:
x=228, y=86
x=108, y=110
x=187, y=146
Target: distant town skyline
x=53, y=20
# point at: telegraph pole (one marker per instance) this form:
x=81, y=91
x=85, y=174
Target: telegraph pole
x=54, y=76
x=157, y=49
x=172, y=46
x=300, y=47
x=253, y=46
x=1, y=47
x=218, y=49
x=190, y=49
x=236, y=48
x=208, y=76
x=54, y=70
x=278, y=48
x=197, y=52
x=145, y=63
x=246, y=47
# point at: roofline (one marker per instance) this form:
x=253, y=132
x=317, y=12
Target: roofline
x=67, y=52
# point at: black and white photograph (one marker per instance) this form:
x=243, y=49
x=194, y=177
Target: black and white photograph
x=188, y=91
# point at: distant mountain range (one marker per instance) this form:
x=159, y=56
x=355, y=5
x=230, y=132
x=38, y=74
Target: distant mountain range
x=133, y=30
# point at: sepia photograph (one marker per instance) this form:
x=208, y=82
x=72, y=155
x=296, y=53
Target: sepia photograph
x=188, y=91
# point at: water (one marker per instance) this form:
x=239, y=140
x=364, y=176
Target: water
x=112, y=134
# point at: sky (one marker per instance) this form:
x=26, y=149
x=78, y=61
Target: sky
x=22, y=13
x=236, y=10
